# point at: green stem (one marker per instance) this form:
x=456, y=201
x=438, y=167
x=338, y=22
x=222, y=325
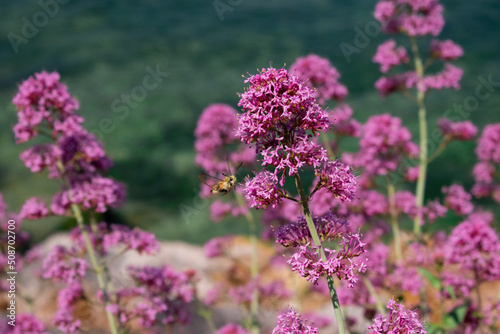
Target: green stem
x=439, y=150
x=423, y=137
x=254, y=267
x=317, y=242
x=373, y=293
x=95, y=264
x=394, y=222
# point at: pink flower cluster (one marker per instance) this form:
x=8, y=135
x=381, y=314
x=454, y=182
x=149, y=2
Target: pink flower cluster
x=384, y=143
x=475, y=246
x=446, y=50
x=290, y=322
x=215, y=131
x=66, y=303
x=43, y=98
x=296, y=234
x=457, y=130
x=262, y=190
x=63, y=264
x=232, y=329
x=307, y=261
x=458, y=200
x=25, y=324
x=485, y=170
x=389, y=56
x=399, y=320
x=414, y=18
x=44, y=104
x=162, y=297
x=318, y=73
x=337, y=178
x=280, y=118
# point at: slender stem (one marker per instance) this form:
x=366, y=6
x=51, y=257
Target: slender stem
x=206, y=314
x=423, y=136
x=90, y=249
x=373, y=293
x=317, y=242
x=254, y=268
x=394, y=222
x=95, y=264
x=439, y=150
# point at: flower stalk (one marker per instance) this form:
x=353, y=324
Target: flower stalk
x=99, y=271
x=394, y=222
x=422, y=174
x=317, y=242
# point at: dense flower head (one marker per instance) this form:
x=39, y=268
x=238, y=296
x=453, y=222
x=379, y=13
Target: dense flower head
x=433, y=210
x=97, y=193
x=34, y=208
x=25, y=324
x=290, y=322
x=318, y=73
x=74, y=154
x=457, y=199
x=384, y=143
x=39, y=157
x=307, y=261
x=338, y=179
x=216, y=129
x=412, y=173
x=446, y=50
x=449, y=77
x=41, y=98
x=488, y=145
x=397, y=82
x=133, y=239
x=66, y=301
x=166, y=294
x=388, y=56
x=232, y=329
x=475, y=246
x=262, y=190
x=295, y=234
x=398, y=320
x=414, y=18
x=457, y=130
x=62, y=264
x=484, y=172
x=66, y=323
x=280, y=118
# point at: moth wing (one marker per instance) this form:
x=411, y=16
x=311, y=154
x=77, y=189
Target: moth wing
x=208, y=180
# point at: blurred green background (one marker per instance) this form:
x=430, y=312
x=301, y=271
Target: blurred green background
x=102, y=50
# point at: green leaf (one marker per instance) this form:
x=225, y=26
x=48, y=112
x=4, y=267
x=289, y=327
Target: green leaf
x=451, y=292
x=435, y=329
x=433, y=280
x=456, y=316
